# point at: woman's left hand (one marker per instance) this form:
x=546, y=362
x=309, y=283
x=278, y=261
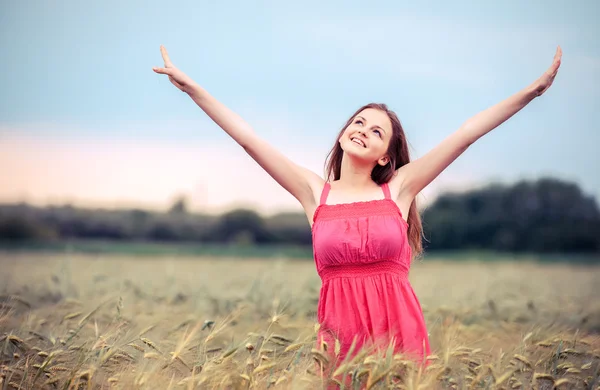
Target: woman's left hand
x=546, y=80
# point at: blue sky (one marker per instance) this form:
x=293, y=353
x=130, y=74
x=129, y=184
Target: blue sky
x=79, y=74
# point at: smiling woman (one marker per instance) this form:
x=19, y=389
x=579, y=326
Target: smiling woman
x=365, y=226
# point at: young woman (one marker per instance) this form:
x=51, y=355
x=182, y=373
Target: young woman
x=364, y=220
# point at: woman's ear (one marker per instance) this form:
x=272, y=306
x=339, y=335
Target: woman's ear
x=383, y=160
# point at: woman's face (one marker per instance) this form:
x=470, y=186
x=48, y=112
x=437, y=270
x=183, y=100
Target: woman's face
x=368, y=136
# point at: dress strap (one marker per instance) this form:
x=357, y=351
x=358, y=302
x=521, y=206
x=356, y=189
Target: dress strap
x=386, y=191
x=324, y=193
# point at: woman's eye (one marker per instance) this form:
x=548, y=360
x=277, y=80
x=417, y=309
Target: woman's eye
x=378, y=133
x=359, y=121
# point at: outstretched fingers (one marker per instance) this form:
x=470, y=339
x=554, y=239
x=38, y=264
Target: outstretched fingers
x=162, y=70
x=168, y=68
x=555, y=63
x=165, y=56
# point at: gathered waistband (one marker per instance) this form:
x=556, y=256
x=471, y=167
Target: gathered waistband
x=360, y=270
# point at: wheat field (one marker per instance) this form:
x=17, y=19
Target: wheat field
x=73, y=321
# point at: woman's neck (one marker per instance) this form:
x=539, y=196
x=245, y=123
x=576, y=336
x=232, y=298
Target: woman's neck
x=355, y=177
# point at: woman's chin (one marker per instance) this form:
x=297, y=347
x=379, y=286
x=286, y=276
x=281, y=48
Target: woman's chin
x=357, y=156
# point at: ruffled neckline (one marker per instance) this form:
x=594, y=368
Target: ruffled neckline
x=353, y=206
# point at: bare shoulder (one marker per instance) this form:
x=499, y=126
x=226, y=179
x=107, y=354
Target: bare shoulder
x=397, y=182
x=316, y=184
x=397, y=191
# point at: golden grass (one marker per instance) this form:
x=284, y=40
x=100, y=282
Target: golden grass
x=87, y=322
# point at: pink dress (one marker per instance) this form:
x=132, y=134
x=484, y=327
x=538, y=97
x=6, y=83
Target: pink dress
x=363, y=257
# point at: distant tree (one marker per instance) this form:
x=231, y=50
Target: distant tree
x=138, y=221
x=548, y=215
x=290, y=228
x=20, y=228
x=179, y=206
x=241, y=226
x=163, y=231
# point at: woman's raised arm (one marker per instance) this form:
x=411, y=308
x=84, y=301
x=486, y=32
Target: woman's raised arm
x=300, y=182
x=416, y=175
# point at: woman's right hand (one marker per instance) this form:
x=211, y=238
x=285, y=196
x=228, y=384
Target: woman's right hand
x=176, y=76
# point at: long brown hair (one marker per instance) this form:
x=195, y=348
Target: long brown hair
x=398, y=156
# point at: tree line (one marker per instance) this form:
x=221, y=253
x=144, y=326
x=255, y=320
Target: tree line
x=546, y=215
